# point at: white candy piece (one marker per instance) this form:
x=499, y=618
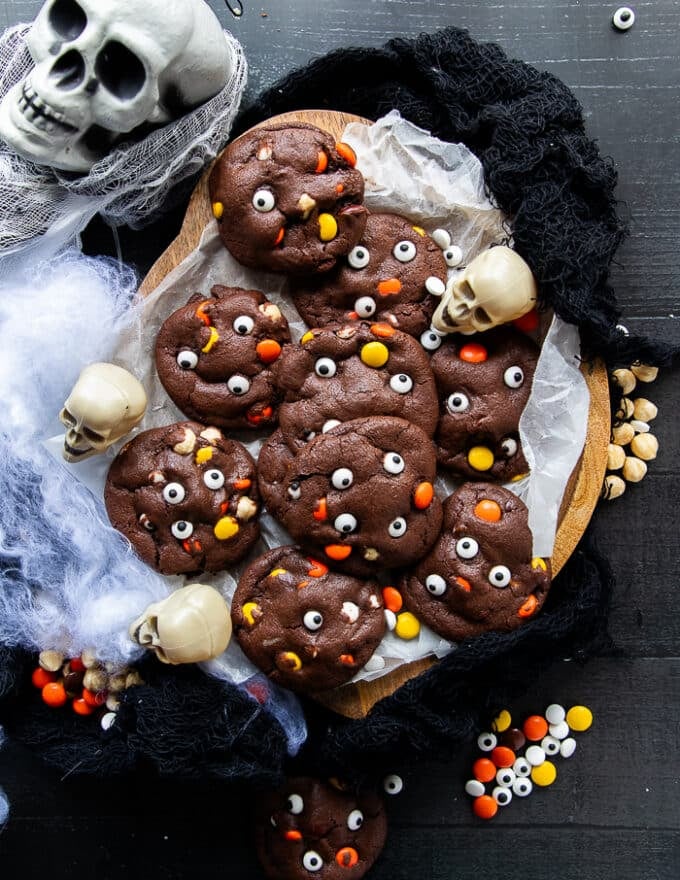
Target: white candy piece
x=559, y=731
x=555, y=713
x=522, y=767
x=487, y=741
x=505, y=777
x=535, y=756
x=502, y=796
x=441, y=238
x=567, y=747
x=435, y=285
x=375, y=663
x=474, y=788
x=522, y=787
x=390, y=619
x=550, y=745
x=108, y=720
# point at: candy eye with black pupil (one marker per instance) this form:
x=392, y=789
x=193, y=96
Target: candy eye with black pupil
x=243, y=325
x=238, y=385
x=264, y=201
x=325, y=367
x=213, y=479
x=467, y=548
x=358, y=257
x=514, y=377
x=365, y=306
x=295, y=804
x=404, y=251
x=182, y=529
x=393, y=784
x=342, y=478
x=457, y=402
x=509, y=447
x=187, y=360
x=397, y=527
x=312, y=861
x=499, y=576
x=313, y=620
x=174, y=493
x=430, y=340
x=345, y=523
x=435, y=584
x=355, y=820
x=294, y=490
x=401, y=383
x=393, y=463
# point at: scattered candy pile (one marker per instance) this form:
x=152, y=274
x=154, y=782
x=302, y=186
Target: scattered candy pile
x=88, y=684
x=512, y=773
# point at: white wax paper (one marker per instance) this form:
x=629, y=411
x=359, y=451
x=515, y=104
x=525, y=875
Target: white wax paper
x=434, y=184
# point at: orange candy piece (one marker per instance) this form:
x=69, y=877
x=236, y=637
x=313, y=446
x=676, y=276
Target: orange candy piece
x=268, y=350
x=502, y=756
x=279, y=237
x=201, y=315
x=473, y=353
x=320, y=512
x=535, y=727
x=392, y=599
x=488, y=510
x=340, y=188
x=485, y=807
x=423, y=495
x=318, y=569
x=41, y=677
x=347, y=153
x=382, y=330
x=465, y=584
x=390, y=285
x=528, y=608
x=82, y=707
x=242, y=484
x=322, y=162
x=54, y=694
x=347, y=857
x=293, y=835
x=337, y=551
x=347, y=660
x=484, y=770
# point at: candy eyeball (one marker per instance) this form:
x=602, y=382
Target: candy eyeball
x=264, y=201
x=243, y=325
x=295, y=804
x=238, y=385
x=521, y=767
x=514, y=377
x=522, y=787
x=174, y=493
x=312, y=861
x=358, y=257
x=182, y=529
x=187, y=359
x=401, y=383
x=393, y=463
x=505, y=777
x=393, y=784
x=467, y=548
x=430, y=340
x=453, y=256
x=397, y=527
x=509, y=447
x=325, y=367
x=313, y=620
x=365, y=306
x=146, y=523
x=499, y=576
x=435, y=584
x=342, y=478
x=404, y=251
x=487, y=741
x=345, y=523
x=294, y=490
x=457, y=402
x=213, y=479
x=355, y=820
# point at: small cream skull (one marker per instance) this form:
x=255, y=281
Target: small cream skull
x=102, y=69
x=105, y=404
x=496, y=287
x=191, y=625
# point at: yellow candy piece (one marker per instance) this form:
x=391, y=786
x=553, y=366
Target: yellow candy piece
x=407, y=627
x=225, y=528
x=307, y=337
x=544, y=774
x=579, y=718
x=247, y=611
x=419, y=230
x=375, y=354
x=502, y=721
x=328, y=227
x=537, y=562
x=519, y=477
x=214, y=336
x=275, y=572
x=288, y=660
x=204, y=454
x=480, y=458
x=218, y=210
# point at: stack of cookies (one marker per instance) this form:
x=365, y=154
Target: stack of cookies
x=359, y=414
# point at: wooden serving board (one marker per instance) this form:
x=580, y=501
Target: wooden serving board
x=583, y=489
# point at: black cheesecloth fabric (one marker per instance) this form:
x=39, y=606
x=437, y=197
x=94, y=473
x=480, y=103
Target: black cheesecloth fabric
x=541, y=168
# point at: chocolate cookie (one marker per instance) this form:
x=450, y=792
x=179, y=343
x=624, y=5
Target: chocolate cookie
x=480, y=575
x=395, y=274
x=185, y=497
x=483, y=389
x=309, y=827
x=214, y=357
x=350, y=371
x=287, y=198
x=307, y=628
x=360, y=495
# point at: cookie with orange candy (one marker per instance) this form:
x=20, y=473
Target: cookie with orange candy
x=308, y=628
x=322, y=829
x=288, y=198
x=215, y=356
x=394, y=275
x=480, y=575
x=359, y=497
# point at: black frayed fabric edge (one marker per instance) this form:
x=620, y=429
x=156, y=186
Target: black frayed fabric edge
x=541, y=168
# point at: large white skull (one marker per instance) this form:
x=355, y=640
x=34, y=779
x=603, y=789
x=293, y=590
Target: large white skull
x=105, y=404
x=191, y=625
x=105, y=67
x=496, y=287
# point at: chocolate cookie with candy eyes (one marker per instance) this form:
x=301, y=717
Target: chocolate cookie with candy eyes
x=348, y=371
x=359, y=497
x=483, y=388
x=287, y=198
x=308, y=628
x=215, y=355
x=312, y=828
x=480, y=575
x=185, y=497
x=395, y=275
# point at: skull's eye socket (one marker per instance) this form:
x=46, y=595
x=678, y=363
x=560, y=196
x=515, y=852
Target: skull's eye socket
x=264, y=201
x=325, y=367
x=295, y=804
x=187, y=360
x=243, y=325
x=67, y=19
x=457, y=402
x=182, y=529
x=358, y=257
x=482, y=316
x=313, y=620
x=355, y=820
x=499, y=576
x=238, y=385
x=467, y=548
x=67, y=418
x=365, y=306
x=312, y=861
x=120, y=71
x=213, y=479
x=514, y=377
x=397, y=527
x=92, y=436
x=174, y=493
x=404, y=251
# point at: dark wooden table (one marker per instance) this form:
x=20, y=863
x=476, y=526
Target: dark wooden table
x=614, y=811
